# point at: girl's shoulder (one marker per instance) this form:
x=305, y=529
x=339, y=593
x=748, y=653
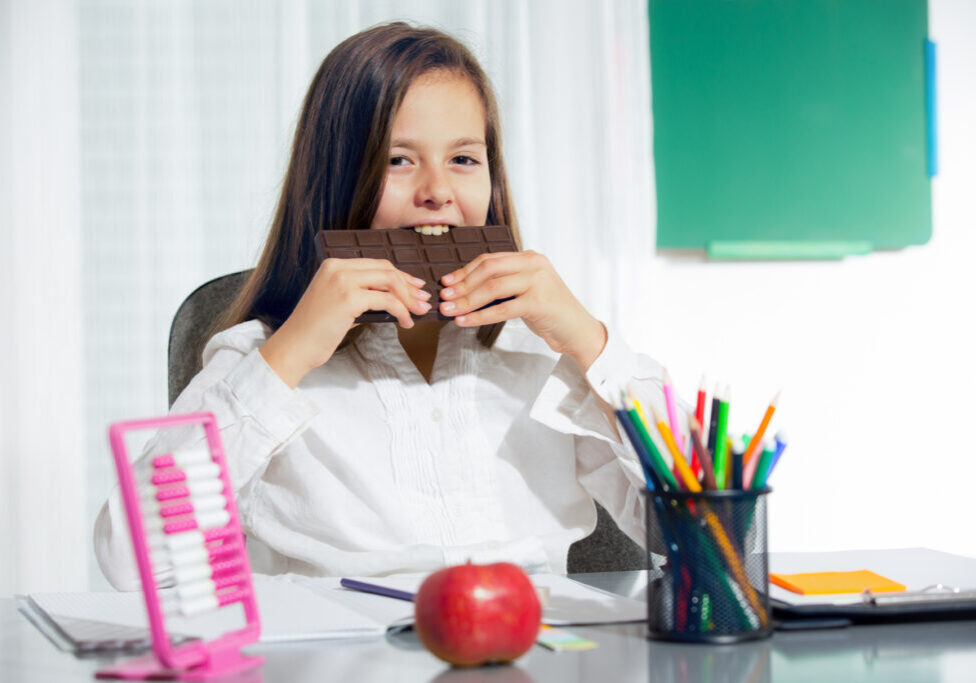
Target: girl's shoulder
x=243, y=338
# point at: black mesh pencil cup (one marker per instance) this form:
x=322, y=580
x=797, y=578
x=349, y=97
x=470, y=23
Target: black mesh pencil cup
x=714, y=585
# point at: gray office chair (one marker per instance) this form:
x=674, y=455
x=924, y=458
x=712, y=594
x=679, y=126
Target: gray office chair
x=606, y=549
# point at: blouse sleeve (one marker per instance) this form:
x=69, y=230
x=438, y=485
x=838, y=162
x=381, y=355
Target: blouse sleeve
x=607, y=466
x=257, y=414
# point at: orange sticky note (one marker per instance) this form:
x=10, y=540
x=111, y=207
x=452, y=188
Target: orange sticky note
x=824, y=583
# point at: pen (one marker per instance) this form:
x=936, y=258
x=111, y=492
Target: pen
x=385, y=591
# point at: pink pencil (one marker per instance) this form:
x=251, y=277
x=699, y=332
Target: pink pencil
x=679, y=439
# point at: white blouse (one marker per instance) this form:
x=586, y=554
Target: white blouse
x=366, y=469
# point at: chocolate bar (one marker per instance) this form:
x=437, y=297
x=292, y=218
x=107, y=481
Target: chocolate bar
x=429, y=257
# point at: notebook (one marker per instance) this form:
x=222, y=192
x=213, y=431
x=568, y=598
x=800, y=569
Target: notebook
x=292, y=608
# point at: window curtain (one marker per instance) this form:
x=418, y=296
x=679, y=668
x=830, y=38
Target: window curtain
x=143, y=147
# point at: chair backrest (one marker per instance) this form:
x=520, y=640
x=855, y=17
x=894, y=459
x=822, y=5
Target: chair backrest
x=193, y=322
x=606, y=549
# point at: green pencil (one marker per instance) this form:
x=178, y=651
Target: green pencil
x=721, y=447
x=762, y=469
x=657, y=461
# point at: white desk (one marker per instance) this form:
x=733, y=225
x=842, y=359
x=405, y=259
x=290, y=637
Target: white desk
x=904, y=653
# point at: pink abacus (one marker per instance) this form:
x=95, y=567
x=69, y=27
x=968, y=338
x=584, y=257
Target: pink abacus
x=183, y=519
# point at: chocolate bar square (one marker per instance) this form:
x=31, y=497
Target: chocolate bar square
x=429, y=257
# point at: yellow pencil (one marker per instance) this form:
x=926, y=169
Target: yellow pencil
x=640, y=411
x=680, y=464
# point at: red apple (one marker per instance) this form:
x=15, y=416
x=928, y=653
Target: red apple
x=474, y=614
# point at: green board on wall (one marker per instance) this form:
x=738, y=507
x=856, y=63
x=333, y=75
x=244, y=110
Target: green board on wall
x=790, y=128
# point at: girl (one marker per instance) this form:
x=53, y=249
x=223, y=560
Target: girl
x=375, y=449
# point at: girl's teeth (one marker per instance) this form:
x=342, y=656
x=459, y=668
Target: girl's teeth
x=432, y=229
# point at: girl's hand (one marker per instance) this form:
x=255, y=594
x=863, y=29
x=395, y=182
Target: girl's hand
x=340, y=291
x=536, y=294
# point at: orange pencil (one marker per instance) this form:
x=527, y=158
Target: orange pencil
x=680, y=464
x=748, y=460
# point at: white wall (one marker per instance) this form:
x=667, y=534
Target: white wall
x=874, y=354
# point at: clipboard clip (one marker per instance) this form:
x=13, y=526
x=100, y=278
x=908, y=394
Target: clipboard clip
x=934, y=593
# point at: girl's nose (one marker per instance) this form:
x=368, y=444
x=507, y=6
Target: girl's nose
x=435, y=189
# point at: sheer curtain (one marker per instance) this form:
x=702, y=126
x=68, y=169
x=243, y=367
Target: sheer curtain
x=143, y=149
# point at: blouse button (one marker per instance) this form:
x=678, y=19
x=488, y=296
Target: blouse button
x=435, y=415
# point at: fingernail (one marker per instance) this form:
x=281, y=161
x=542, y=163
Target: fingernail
x=447, y=291
x=448, y=279
x=417, y=281
x=448, y=306
x=460, y=318
x=422, y=294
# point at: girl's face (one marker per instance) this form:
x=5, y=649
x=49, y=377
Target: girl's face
x=438, y=169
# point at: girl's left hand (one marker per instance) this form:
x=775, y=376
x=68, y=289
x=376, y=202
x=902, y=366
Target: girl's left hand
x=535, y=293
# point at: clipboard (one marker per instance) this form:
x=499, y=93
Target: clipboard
x=941, y=587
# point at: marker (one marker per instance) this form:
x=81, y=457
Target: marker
x=721, y=447
x=749, y=459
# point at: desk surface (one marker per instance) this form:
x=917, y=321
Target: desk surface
x=922, y=652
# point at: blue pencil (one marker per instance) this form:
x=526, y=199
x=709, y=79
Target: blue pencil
x=780, y=447
x=385, y=591
x=650, y=476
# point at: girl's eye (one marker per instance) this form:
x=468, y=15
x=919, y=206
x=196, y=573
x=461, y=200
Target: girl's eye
x=399, y=161
x=465, y=160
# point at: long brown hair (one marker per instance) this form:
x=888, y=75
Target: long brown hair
x=340, y=156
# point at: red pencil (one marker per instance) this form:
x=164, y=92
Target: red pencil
x=700, y=416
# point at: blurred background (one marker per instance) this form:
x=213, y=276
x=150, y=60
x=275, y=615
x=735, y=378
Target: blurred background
x=142, y=147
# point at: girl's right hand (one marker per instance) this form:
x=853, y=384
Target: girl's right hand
x=340, y=291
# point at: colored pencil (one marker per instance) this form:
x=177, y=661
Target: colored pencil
x=713, y=420
x=673, y=422
x=680, y=465
x=777, y=454
x=762, y=469
x=650, y=476
x=660, y=467
x=700, y=416
x=704, y=456
x=666, y=456
x=736, y=478
x=721, y=447
x=750, y=458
